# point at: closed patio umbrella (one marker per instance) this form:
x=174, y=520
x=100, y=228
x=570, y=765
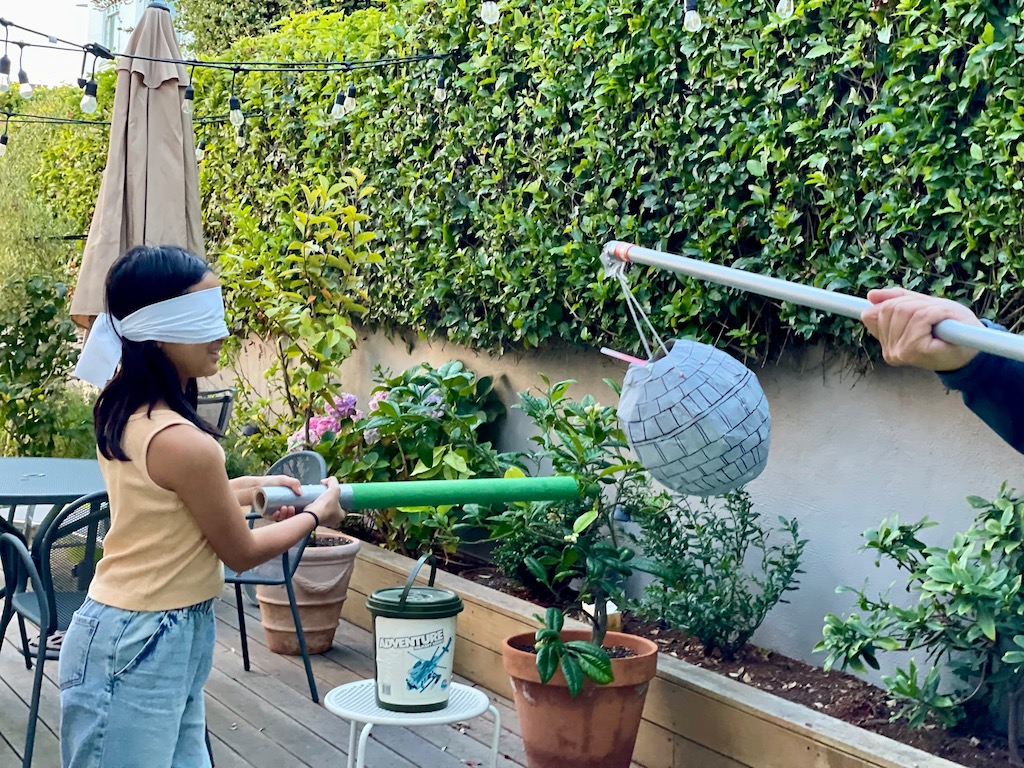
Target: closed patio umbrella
x=150, y=189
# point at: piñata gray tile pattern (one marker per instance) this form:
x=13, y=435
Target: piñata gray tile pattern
x=697, y=420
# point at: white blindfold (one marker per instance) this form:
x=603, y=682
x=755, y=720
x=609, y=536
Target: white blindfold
x=192, y=318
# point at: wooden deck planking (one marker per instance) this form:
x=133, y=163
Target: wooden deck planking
x=264, y=718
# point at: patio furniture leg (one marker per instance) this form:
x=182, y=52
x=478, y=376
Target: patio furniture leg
x=241, y=627
x=24, y=643
x=497, y=734
x=351, y=743
x=302, y=641
x=33, y=711
x=5, y=617
x=363, y=737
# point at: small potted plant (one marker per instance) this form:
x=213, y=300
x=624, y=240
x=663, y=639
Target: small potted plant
x=591, y=683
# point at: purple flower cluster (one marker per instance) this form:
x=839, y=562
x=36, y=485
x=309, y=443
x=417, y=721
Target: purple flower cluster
x=376, y=397
x=434, y=398
x=341, y=409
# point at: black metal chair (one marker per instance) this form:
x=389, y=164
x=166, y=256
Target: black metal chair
x=20, y=572
x=214, y=406
x=65, y=551
x=308, y=467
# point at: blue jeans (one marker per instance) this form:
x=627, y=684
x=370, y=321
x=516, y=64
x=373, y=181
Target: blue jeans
x=131, y=687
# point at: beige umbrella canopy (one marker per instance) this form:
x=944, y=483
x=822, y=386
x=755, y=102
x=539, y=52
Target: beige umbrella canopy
x=150, y=189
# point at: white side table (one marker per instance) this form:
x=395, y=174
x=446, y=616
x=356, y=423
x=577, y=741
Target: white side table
x=357, y=703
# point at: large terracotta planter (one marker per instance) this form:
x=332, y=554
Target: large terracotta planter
x=321, y=586
x=598, y=727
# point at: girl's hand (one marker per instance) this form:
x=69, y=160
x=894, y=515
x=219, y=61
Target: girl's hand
x=326, y=505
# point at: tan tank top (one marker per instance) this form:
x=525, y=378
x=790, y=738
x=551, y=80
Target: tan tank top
x=155, y=558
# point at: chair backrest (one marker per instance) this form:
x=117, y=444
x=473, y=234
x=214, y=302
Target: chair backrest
x=308, y=467
x=214, y=407
x=67, y=547
x=19, y=571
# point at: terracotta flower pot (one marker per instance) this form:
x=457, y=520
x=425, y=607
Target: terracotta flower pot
x=596, y=728
x=321, y=586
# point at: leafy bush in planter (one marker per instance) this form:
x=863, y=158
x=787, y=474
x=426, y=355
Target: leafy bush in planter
x=968, y=619
x=724, y=569
x=574, y=549
x=423, y=424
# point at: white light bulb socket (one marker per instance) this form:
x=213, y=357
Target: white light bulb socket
x=3, y=145
x=25, y=88
x=189, y=101
x=5, y=65
x=235, y=116
x=88, y=103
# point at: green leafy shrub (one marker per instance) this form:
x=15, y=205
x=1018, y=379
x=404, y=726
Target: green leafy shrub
x=576, y=551
x=580, y=438
x=724, y=569
x=40, y=414
x=294, y=281
x=845, y=147
x=968, y=619
x=34, y=229
x=422, y=424
x=214, y=25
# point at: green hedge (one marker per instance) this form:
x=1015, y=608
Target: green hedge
x=845, y=147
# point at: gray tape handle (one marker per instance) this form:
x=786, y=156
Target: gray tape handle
x=412, y=577
x=269, y=499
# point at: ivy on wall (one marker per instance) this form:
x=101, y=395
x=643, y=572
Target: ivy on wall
x=846, y=148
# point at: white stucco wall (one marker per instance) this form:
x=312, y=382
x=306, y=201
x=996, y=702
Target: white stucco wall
x=847, y=451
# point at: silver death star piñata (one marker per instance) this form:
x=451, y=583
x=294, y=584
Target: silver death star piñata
x=697, y=419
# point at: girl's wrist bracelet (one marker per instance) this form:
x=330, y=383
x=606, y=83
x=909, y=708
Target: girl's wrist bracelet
x=315, y=517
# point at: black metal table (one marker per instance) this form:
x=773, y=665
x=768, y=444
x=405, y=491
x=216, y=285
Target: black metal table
x=28, y=481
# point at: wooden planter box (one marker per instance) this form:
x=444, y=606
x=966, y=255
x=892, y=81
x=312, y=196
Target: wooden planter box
x=693, y=718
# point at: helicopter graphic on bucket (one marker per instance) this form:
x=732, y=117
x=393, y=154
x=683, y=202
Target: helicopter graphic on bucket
x=423, y=673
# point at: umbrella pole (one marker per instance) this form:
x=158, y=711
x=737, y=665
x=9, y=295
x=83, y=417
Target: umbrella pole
x=617, y=254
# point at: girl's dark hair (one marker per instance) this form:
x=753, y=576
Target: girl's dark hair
x=145, y=275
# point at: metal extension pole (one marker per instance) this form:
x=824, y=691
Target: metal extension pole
x=616, y=254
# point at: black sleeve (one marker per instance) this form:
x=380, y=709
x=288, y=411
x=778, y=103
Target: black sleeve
x=993, y=388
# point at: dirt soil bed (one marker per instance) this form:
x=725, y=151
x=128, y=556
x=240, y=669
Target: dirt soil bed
x=837, y=694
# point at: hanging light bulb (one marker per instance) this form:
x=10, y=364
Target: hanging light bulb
x=235, y=116
x=201, y=150
x=189, y=101
x=5, y=74
x=350, y=100
x=24, y=86
x=489, y=13
x=3, y=144
x=440, y=92
x=338, y=108
x=88, y=103
x=691, y=19
x=785, y=8
x=240, y=137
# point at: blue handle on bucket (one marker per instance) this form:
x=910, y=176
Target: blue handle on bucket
x=412, y=577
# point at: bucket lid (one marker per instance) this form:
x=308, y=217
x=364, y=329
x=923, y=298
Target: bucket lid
x=418, y=603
